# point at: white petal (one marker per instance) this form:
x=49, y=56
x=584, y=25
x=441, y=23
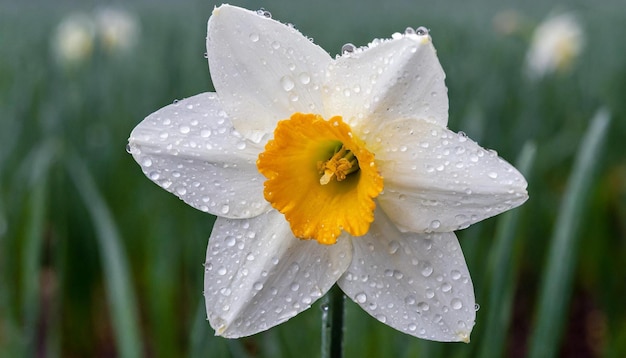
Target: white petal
x=438, y=180
x=416, y=283
x=257, y=274
x=396, y=79
x=190, y=149
x=263, y=70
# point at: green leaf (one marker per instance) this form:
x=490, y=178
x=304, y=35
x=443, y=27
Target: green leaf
x=117, y=277
x=562, y=255
x=31, y=257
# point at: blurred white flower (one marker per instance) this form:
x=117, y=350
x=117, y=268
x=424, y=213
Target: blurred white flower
x=555, y=45
x=73, y=40
x=118, y=29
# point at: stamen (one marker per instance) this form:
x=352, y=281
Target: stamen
x=340, y=165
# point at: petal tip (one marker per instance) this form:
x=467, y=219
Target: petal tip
x=217, y=9
x=464, y=337
x=221, y=327
x=220, y=331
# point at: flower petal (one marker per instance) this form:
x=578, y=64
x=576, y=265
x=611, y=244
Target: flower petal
x=416, y=283
x=438, y=180
x=190, y=149
x=263, y=70
x=395, y=79
x=257, y=274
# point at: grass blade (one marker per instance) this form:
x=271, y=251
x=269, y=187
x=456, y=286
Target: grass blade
x=557, y=284
x=117, y=278
x=501, y=270
x=31, y=256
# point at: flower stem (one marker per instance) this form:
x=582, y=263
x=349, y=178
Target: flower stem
x=332, y=323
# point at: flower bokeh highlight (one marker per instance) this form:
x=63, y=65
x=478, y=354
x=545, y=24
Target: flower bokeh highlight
x=555, y=45
x=115, y=31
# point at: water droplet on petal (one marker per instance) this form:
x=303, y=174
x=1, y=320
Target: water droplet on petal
x=361, y=297
x=456, y=304
x=455, y=274
x=254, y=37
x=423, y=306
x=421, y=31
x=230, y=241
x=409, y=31
x=348, y=48
x=264, y=13
x=287, y=83
x=429, y=293
x=393, y=247
x=427, y=270
x=304, y=78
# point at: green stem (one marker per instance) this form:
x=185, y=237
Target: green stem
x=332, y=323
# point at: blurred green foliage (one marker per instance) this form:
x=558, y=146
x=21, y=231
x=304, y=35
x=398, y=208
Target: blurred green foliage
x=97, y=261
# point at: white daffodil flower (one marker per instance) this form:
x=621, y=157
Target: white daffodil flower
x=556, y=43
x=325, y=171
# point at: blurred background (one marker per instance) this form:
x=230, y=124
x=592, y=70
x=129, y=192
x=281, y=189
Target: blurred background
x=97, y=261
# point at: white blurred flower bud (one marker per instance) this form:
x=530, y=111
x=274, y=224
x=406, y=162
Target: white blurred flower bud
x=556, y=43
x=73, y=40
x=118, y=29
